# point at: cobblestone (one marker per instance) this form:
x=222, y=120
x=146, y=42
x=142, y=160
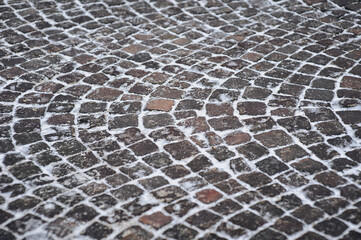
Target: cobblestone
x=153, y=119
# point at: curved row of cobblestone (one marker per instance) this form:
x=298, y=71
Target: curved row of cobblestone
x=179, y=119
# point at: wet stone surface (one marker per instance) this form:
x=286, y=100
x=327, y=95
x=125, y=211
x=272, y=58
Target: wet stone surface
x=161, y=119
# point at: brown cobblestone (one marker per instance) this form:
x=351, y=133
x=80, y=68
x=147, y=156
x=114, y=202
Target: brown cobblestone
x=156, y=220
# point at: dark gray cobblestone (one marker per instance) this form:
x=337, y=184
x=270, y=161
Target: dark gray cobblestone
x=179, y=119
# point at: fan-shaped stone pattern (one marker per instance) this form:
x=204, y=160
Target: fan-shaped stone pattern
x=120, y=118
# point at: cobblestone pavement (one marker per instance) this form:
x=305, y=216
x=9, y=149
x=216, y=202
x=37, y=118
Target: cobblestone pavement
x=179, y=119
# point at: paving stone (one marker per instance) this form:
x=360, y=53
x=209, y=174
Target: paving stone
x=317, y=191
x=340, y=141
x=251, y=108
x=176, y=171
x=350, y=117
x=214, y=175
x=158, y=160
x=200, y=162
x=355, y=154
x=6, y=145
x=231, y=230
x=265, y=208
x=248, y=220
x=239, y=165
x=221, y=153
x=49, y=210
x=340, y=164
x=268, y=234
x=157, y=120
x=116, y=216
x=137, y=171
x=61, y=227
x=333, y=227
x=255, y=179
x=136, y=208
x=84, y=160
x=153, y=183
x=192, y=183
x=249, y=197
x=165, y=92
x=125, y=107
x=181, y=150
x=350, y=192
x=103, y=201
x=143, y=147
x=307, y=213
x=289, y=202
x=309, y=165
x=20, y=225
x=330, y=128
x=36, y=98
x=317, y=94
x=234, y=88
x=97, y=231
x=169, y=194
x=127, y=191
x=235, y=83
x=203, y=219
x=130, y=135
x=180, y=231
x=129, y=120
x=15, y=189
x=134, y=48
x=104, y=94
x=120, y=158
x=160, y=105
x=92, y=189
x=311, y=235
x=271, y=166
x=274, y=138
x=309, y=137
x=237, y=138
x=24, y=170
x=350, y=82
x=209, y=236
x=272, y=190
x=330, y=179
x=26, y=202
x=47, y=192
x=291, y=153
x=6, y=235
x=351, y=215
x=225, y=123
x=181, y=207
x=352, y=235
x=252, y=150
x=324, y=151
x=295, y=123
x=198, y=124
x=135, y=232
x=219, y=109
x=288, y=225
x=257, y=124
x=227, y=207
x=208, y=195
x=11, y=159
x=156, y=220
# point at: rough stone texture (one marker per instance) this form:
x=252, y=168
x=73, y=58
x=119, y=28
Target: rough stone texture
x=160, y=119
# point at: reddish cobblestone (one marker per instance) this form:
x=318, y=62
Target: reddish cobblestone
x=156, y=220
x=208, y=195
x=160, y=105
